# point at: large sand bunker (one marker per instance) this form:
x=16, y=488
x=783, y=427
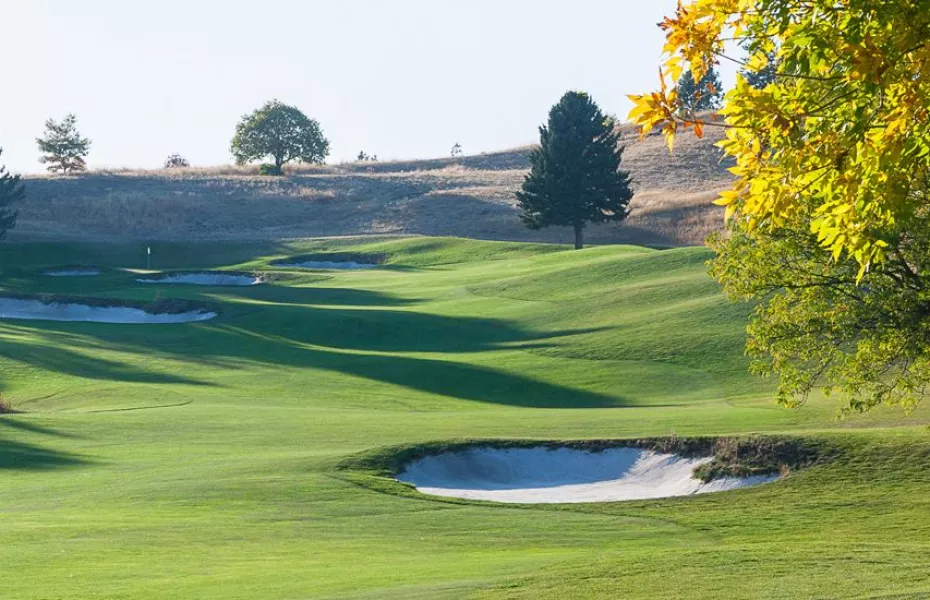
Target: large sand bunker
x=205, y=278
x=564, y=475
x=18, y=308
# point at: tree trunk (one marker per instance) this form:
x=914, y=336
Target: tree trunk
x=579, y=237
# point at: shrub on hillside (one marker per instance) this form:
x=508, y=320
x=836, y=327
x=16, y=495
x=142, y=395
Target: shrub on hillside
x=176, y=161
x=5, y=407
x=269, y=169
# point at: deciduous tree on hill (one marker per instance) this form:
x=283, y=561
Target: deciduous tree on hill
x=11, y=192
x=575, y=177
x=829, y=216
x=280, y=132
x=63, y=147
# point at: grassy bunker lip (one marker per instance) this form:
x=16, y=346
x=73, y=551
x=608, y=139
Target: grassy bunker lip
x=724, y=458
x=90, y=309
x=333, y=261
x=72, y=271
x=207, y=278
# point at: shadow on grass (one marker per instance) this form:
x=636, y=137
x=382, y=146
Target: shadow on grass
x=459, y=380
x=276, y=291
x=297, y=296
x=40, y=346
x=26, y=282
x=17, y=456
x=21, y=425
x=292, y=332
x=389, y=330
x=20, y=456
x=362, y=343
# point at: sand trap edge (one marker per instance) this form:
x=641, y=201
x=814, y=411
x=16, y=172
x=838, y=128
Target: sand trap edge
x=204, y=278
x=377, y=468
x=97, y=310
x=69, y=271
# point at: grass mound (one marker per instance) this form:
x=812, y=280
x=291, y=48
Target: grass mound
x=327, y=260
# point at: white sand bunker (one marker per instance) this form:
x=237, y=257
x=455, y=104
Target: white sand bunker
x=329, y=265
x=205, y=278
x=14, y=308
x=73, y=272
x=564, y=475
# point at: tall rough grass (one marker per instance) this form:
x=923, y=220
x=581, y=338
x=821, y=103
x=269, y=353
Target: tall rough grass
x=471, y=196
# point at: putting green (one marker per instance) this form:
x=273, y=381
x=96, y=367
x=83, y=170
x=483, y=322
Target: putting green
x=204, y=460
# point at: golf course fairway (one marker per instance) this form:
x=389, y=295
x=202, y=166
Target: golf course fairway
x=219, y=459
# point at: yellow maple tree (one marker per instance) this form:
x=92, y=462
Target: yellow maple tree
x=840, y=138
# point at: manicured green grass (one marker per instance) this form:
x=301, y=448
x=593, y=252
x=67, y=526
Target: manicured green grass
x=203, y=460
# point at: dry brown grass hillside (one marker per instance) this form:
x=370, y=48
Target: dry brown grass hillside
x=469, y=196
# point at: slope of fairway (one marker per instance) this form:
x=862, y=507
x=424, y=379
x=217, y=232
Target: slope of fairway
x=203, y=460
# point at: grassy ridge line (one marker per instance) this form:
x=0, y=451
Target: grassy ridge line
x=28, y=258
x=469, y=197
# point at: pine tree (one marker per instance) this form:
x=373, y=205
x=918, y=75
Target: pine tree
x=575, y=177
x=707, y=94
x=760, y=78
x=63, y=146
x=11, y=191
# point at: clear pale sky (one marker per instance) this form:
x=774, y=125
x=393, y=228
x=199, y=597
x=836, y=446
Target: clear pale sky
x=396, y=78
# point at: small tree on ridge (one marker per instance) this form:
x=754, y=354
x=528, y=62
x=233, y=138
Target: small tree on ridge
x=63, y=146
x=575, y=177
x=11, y=191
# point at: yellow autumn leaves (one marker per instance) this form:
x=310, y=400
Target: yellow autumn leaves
x=840, y=140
